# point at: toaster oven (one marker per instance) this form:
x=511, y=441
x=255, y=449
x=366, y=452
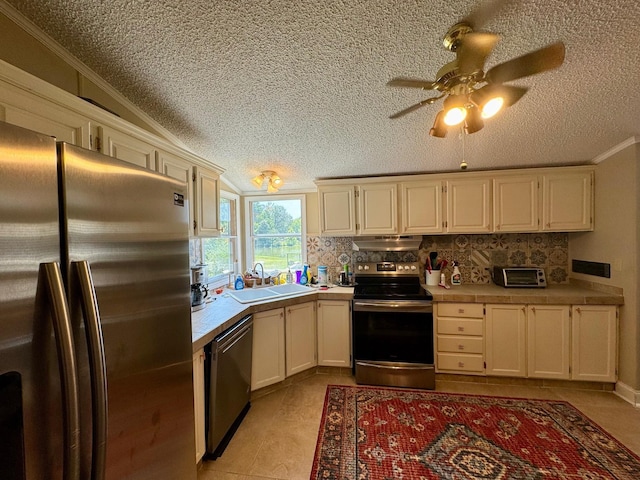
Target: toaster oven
x=526, y=277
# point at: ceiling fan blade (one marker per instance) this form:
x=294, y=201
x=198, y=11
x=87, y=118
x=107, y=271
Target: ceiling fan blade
x=473, y=51
x=410, y=109
x=484, y=12
x=538, y=61
x=411, y=83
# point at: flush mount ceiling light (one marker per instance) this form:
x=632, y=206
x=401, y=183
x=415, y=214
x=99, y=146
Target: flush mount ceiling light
x=274, y=182
x=471, y=94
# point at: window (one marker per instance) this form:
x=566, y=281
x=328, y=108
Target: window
x=276, y=232
x=220, y=254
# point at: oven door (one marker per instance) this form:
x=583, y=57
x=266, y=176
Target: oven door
x=393, y=343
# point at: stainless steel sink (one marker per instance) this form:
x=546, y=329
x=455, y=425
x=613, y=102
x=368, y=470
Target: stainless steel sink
x=250, y=295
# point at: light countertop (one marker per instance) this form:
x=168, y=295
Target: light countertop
x=222, y=311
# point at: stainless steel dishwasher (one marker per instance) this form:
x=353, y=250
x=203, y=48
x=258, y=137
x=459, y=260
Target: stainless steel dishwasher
x=229, y=384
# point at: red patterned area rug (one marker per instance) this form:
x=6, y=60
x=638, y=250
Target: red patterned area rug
x=371, y=433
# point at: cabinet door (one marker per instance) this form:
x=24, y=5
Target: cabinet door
x=506, y=340
x=548, y=330
x=207, y=204
x=515, y=204
x=127, y=148
x=334, y=333
x=267, y=364
x=180, y=169
x=198, y=401
x=378, y=209
x=468, y=205
x=594, y=343
x=567, y=203
x=34, y=113
x=337, y=209
x=421, y=205
x=301, y=337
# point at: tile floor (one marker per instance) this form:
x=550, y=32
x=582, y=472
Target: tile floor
x=277, y=438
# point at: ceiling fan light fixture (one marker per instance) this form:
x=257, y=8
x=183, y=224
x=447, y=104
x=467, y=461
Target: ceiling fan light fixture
x=492, y=107
x=439, y=129
x=473, y=122
x=455, y=109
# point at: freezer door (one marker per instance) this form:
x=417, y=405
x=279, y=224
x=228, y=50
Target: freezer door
x=31, y=418
x=131, y=226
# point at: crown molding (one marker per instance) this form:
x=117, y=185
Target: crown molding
x=617, y=148
x=32, y=29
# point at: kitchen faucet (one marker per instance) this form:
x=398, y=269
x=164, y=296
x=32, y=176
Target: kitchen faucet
x=262, y=270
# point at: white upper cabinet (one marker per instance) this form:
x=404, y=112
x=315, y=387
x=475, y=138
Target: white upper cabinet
x=378, y=209
x=515, y=203
x=34, y=113
x=207, y=202
x=421, y=205
x=180, y=169
x=337, y=209
x=567, y=201
x=468, y=205
x=127, y=148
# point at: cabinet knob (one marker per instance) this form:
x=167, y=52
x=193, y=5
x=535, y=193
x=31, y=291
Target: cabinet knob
x=578, y=310
x=461, y=364
x=461, y=310
x=461, y=329
x=524, y=310
x=460, y=347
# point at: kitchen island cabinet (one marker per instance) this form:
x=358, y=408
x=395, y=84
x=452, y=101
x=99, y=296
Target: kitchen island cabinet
x=334, y=333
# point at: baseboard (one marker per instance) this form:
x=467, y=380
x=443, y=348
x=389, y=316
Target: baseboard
x=628, y=394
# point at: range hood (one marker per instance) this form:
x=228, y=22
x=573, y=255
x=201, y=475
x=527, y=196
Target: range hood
x=388, y=243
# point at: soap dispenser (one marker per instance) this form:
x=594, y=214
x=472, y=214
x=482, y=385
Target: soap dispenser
x=239, y=285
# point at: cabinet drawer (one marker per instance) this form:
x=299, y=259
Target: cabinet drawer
x=460, y=344
x=460, y=362
x=460, y=326
x=467, y=310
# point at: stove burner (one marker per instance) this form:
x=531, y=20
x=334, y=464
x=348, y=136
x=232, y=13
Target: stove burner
x=389, y=281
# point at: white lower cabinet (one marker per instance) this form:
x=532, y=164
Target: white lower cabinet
x=268, y=366
x=199, y=402
x=548, y=341
x=300, y=337
x=594, y=343
x=334, y=333
x=459, y=338
x=506, y=340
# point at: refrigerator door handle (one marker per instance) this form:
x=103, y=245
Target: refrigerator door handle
x=97, y=366
x=50, y=278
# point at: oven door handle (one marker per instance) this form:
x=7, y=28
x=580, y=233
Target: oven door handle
x=391, y=306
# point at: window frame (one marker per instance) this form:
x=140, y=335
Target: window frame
x=248, y=217
x=219, y=280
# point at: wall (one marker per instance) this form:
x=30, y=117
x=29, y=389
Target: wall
x=475, y=254
x=616, y=240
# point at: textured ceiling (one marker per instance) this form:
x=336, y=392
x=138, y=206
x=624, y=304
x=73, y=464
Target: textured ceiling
x=299, y=86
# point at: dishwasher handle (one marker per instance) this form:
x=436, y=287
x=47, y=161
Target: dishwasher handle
x=229, y=338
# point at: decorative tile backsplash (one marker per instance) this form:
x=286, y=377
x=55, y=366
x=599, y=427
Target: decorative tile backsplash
x=474, y=253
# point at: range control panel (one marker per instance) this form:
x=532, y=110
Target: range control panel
x=387, y=268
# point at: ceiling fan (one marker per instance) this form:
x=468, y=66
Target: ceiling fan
x=472, y=94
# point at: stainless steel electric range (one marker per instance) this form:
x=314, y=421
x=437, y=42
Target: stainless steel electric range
x=392, y=325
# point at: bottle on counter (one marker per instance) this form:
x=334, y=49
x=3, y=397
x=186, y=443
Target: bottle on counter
x=289, y=276
x=239, y=284
x=456, y=277
x=304, y=278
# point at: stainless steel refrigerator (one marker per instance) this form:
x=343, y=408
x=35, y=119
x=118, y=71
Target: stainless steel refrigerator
x=95, y=328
